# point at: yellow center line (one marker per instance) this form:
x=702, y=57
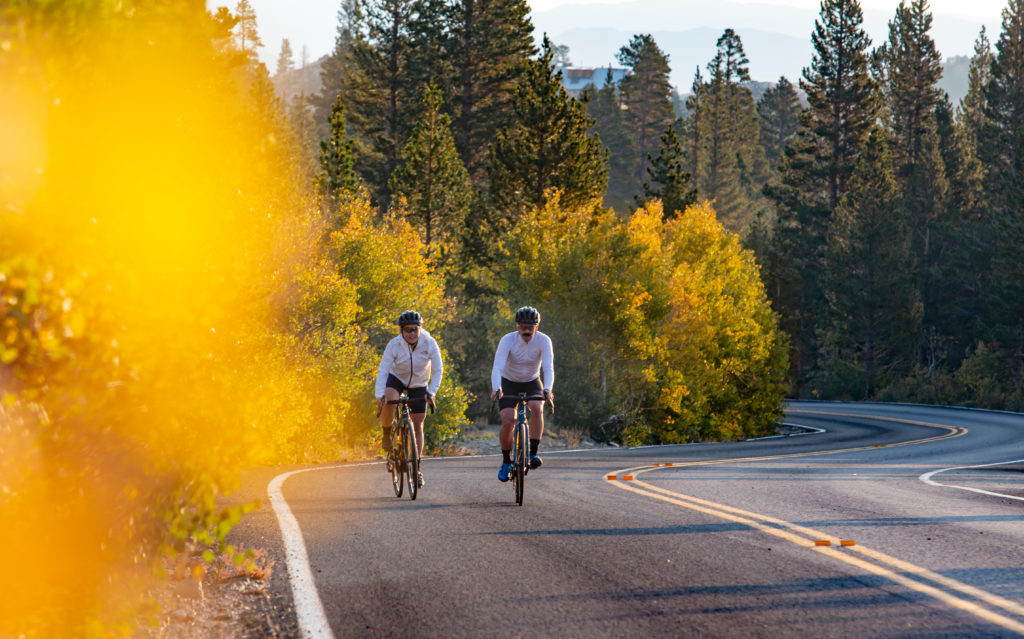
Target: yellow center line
x=805, y=537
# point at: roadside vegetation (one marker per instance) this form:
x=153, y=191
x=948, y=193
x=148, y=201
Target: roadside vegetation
x=197, y=278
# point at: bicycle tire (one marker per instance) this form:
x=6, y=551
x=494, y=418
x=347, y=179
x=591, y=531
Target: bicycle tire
x=519, y=467
x=412, y=466
x=397, y=465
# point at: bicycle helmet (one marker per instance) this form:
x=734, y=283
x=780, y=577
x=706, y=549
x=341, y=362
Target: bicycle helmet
x=527, y=315
x=410, y=317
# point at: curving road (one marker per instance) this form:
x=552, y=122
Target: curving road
x=881, y=521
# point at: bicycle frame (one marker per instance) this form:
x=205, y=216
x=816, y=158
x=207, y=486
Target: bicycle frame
x=404, y=458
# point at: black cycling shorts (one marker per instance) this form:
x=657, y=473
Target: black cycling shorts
x=510, y=389
x=417, y=396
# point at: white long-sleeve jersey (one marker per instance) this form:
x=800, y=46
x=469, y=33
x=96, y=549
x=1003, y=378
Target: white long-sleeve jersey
x=415, y=367
x=520, y=361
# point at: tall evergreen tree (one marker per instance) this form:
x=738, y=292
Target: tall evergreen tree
x=913, y=67
x=547, y=146
x=692, y=124
x=646, y=93
x=432, y=179
x=970, y=122
x=491, y=46
x=285, y=59
x=873, y=310
x=303, y=126
x=246, y=33
x=1001, y=150
x=336, y=157
x=380, y=95
x=779, y=113
x=1004, y=113
x=734, y=168
x=668, y=180
x=616, y=134
x=816, y=166
x=334, y=69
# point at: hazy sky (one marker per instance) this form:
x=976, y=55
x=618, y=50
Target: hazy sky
x=313, y=23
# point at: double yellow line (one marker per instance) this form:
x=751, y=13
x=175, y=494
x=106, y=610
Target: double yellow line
x=896, y=570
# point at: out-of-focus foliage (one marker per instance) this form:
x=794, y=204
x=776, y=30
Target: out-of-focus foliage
x=173, y=307
x=665, y=323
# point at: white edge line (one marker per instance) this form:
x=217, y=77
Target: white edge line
x=927, y=478
x=814, y=431
x=308, y=607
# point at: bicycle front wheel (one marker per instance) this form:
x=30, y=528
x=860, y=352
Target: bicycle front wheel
x=520, y=461
x=412, y=459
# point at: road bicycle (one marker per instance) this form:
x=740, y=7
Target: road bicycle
x=403, y=460
x=521, y=443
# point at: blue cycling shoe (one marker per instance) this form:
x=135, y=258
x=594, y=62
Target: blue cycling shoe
x=506, y=470
x=535, y=462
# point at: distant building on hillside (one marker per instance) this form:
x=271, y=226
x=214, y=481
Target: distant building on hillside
x=575, y=79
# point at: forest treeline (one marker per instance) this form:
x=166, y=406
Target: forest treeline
x=883, y=217
x=196, y=278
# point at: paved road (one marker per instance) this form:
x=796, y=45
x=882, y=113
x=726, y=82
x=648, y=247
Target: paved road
x=722, y=543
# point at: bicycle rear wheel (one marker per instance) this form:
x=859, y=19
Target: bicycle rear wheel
x=397, y=464
x=519, y=461
x=412, y=459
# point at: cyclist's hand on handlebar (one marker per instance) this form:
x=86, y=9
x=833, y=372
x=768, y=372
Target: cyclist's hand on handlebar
x=431, y=402
x=496, y=395
x=549, y=397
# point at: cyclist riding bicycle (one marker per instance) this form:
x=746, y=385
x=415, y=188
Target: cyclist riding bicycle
x=410, y=361
x=522, y=357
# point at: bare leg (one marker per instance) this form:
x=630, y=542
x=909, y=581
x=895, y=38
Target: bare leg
x=536, y=420
x=508, y=419
x=417, y=426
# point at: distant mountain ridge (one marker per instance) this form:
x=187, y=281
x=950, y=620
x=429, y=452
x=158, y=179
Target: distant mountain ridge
x=776, y=38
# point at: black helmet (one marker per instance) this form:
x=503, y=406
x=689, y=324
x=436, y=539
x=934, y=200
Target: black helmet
x=527, y=315
x=410, y=317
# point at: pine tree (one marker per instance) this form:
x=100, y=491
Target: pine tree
x=913, y=67
x=1004, y=113
x=734, y=168
x=547, y=147
x=303, y=126
x=491, y=45
x=614, y=130
x=432, y=179
x=336, y=160
x=779, y=113
x=692, y=125
x=246, y=33
x=668, y=180
x=970, y=122
x=646, y=93
x=381, y=99
x=334, y=69
x=816, y=166
x=873, y=310
x=286, y=59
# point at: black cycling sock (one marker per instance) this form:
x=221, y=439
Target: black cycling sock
x=534, y=443
x=387, y=433
x=506, y=456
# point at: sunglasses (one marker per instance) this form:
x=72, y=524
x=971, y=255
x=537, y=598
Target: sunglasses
x=411, y=329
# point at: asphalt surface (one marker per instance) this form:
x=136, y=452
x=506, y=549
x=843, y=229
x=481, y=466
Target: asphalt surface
x=722, y=543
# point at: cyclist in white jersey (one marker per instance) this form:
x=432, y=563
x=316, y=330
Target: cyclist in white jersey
x=410, y=360
x=522, y=358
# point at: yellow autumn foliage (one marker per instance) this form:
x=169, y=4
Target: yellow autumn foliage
x=662, y=329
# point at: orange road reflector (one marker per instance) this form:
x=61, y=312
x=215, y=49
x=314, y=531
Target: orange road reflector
x=822, y=542
x=611, y=477
x=627, y=478
x=668, y=463
x=655, y=464
x=847, y=542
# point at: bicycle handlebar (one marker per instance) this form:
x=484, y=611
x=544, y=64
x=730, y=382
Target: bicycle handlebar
x=405, y=400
